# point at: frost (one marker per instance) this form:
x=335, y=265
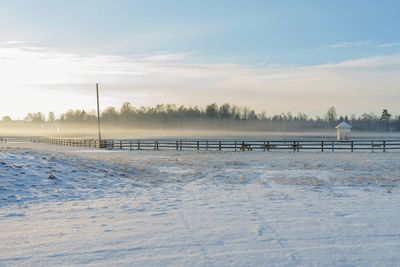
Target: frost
x=169, y=208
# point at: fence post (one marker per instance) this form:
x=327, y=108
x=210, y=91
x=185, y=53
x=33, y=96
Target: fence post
x=384, y=146
x=198, y=145
x=333, y=146
x=352, y=146
x=130, y=145
x=138, y=144
x=322, y=146
x=181, y=146
x=207, y=145
x=235, y=145
x=372, y=146
x=219, y=146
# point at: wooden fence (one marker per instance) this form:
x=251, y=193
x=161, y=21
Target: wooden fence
x=232, y=145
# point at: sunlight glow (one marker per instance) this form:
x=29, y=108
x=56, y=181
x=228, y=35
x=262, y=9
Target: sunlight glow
x=39, y=77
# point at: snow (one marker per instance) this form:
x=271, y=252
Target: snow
x=189, y=208
x=343, y=125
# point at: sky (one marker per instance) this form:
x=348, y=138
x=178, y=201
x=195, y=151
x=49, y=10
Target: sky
x=276, y=56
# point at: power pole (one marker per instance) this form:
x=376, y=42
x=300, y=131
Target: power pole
x=98, y=113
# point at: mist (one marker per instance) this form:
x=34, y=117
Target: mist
x=193, y=130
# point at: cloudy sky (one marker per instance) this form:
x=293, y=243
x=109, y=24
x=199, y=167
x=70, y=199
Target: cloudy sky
x=276, y=56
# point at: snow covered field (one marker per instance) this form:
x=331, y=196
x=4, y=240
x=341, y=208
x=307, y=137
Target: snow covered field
x=70, y=206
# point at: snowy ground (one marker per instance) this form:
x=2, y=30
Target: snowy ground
x=69, y=206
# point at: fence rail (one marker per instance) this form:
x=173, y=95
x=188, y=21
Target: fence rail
x=232, y=145
x=15, y=139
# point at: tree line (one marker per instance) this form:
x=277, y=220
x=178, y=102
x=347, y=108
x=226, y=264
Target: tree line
x=218, y=116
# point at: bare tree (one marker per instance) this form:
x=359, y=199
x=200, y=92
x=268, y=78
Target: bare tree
x=331, y=116
x=51, y=117
x=7, y=119
x=386, y=118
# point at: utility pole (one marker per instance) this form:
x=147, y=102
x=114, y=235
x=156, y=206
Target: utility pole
x=98, y=113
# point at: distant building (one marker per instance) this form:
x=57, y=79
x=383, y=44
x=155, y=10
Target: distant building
x=343, y=131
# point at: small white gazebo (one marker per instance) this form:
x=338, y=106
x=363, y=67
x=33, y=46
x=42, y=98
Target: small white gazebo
x=343, y=131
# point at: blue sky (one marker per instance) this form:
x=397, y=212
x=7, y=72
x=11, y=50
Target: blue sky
x=248, y=34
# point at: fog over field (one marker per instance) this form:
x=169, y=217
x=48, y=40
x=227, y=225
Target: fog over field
x=109, y=131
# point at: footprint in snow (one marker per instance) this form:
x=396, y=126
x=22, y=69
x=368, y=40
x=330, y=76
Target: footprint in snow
x=342, y=214
x=158, y=214
x=52, y=175
x=13, y=215
x=260, y=230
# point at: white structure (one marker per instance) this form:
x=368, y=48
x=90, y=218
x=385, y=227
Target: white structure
x=343, y=131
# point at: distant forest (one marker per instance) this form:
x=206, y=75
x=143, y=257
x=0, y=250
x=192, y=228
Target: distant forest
x=225, y=116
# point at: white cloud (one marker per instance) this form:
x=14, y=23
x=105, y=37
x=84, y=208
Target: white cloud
x=14, y=42
x=45, y=79
x=350, y=44
x=389, y=45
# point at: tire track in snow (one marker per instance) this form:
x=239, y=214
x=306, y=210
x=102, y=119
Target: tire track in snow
x=264, y=227
x=202, y=247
